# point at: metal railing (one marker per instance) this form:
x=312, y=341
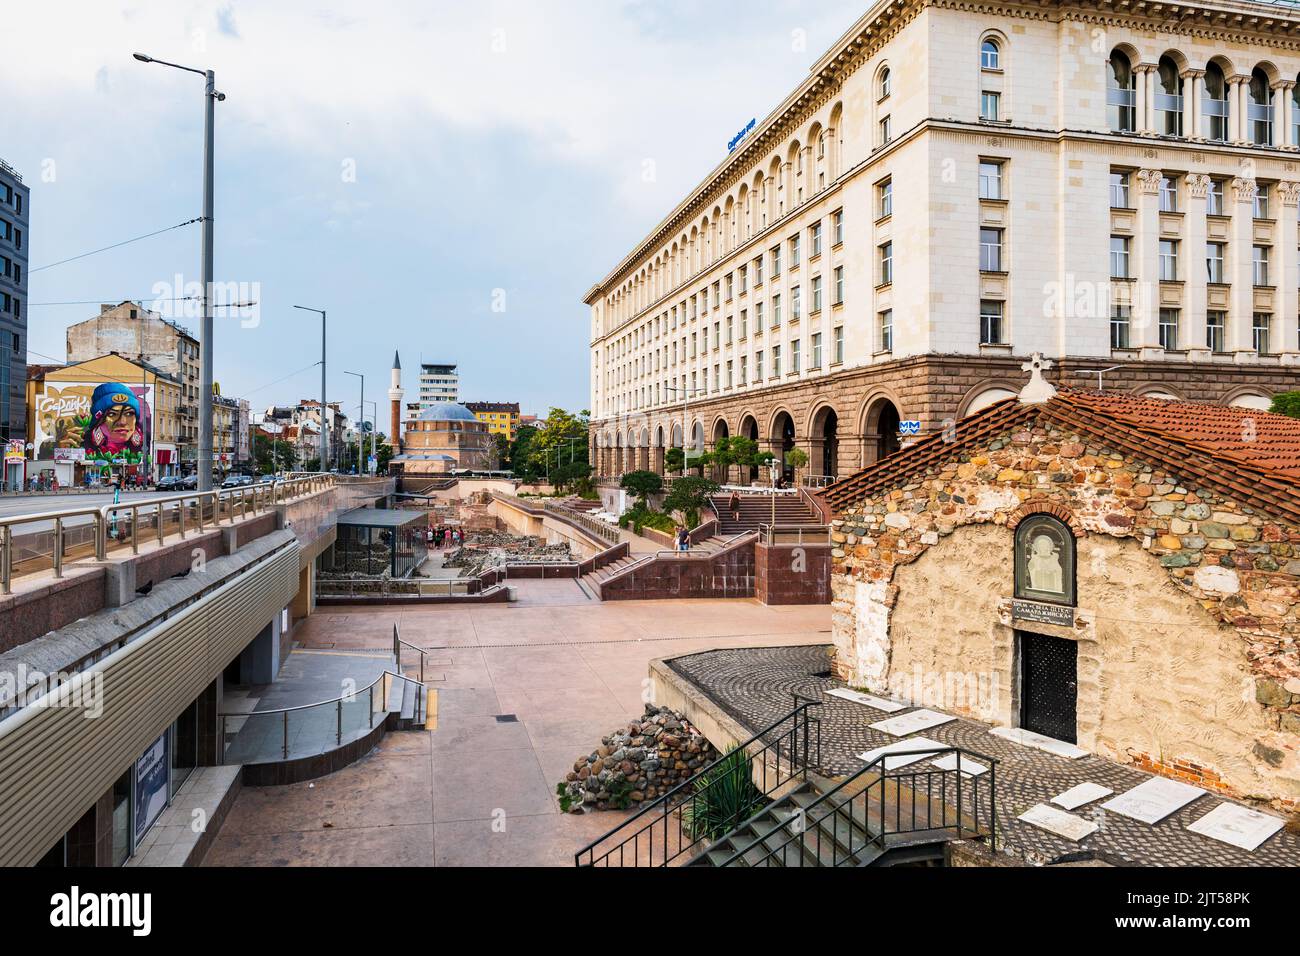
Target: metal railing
x=931, y=804
x=816, y=481
x=795, y=533
x=94, y=531
x=305, y=730
x=665, y=829
x=398, y=644
x=601, y=529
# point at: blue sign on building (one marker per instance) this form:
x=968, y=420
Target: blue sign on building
x=735, y=140
x=909, y=428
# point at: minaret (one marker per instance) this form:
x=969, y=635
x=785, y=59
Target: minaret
x=395, y=394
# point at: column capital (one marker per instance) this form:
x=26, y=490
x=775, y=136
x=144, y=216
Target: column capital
x=1289, y=192
x=1282, y=85
x=1149, y=181
x=1191, y=73
x=1198, y=185
x=1244, y=190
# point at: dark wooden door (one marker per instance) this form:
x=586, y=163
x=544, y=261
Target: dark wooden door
x=1049, y=685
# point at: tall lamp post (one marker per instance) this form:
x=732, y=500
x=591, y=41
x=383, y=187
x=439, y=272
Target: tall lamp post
x=686, y=398
x=374, y=427
x=210, y=98
x=361, y=438
x=324, y=408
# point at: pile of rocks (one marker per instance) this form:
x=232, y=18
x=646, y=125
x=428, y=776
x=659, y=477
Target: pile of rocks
x=641, y=761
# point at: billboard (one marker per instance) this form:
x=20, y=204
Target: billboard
x=97, y=422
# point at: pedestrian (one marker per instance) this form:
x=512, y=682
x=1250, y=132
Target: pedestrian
x=683, y=539
x=446, y=540
x=734, y=506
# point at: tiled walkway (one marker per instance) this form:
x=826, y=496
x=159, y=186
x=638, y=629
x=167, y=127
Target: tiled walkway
x=753, y=686
x=478, y=790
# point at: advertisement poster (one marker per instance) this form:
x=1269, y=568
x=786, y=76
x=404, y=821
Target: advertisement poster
x=150, y=786
x=99, y=423
x=14, y=450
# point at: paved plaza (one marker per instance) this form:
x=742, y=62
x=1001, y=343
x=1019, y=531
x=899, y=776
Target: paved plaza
x=753, y=686
x=480, y=789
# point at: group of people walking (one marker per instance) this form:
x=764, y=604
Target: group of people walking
x=444, y=537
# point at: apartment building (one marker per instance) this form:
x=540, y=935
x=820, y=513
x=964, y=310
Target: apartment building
x=15, y=212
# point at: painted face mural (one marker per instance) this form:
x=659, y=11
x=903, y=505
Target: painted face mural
x=115, y=428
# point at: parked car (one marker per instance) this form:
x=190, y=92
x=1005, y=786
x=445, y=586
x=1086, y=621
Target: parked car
x=237, y=481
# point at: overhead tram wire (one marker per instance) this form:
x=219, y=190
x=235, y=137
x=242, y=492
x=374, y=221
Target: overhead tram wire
x=116, y=245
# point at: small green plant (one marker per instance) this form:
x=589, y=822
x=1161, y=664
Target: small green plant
x=724, y=796
x=566, y=798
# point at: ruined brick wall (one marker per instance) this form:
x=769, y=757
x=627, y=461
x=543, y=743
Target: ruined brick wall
x=1223, y=580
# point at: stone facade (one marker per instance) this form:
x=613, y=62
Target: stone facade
x=1188, y=608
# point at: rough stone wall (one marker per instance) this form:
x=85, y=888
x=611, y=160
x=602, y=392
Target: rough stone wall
x=1189, y=603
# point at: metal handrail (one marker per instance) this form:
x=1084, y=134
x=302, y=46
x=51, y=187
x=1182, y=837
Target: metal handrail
x=769, y=532
x=660, y=811
x=809, y=822
x=398, y=643
x=338, y=703
x=239, y=501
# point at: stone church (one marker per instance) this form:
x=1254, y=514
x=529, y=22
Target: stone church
x=1118, y=572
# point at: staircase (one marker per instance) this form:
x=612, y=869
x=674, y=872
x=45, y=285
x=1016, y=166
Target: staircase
x=408, y=703
x=591, y=582
x=756, y=510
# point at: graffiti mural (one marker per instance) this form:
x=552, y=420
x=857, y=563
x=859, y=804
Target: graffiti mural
x=104, y=423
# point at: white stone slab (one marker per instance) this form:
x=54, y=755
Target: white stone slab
x=1076, y=797
x=969, y=768
x=912, y=723
x=1059, y=822
x=1049, y=745
x=915, y=743
x=1152, y=801
x=866, y=700
x=1237, y=825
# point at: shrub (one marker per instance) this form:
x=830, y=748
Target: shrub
x=724, y=797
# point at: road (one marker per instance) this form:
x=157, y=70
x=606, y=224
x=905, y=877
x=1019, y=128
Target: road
x=19, y=505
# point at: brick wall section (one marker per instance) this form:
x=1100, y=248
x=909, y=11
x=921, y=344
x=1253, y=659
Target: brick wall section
x=722, y=574
x=1241, y=566
x=792, y=574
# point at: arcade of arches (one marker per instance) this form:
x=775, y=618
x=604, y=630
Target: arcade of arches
x=846, y=422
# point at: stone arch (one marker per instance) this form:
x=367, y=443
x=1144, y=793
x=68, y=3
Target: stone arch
x=879, y=416
x=749, y=429
x=823, y=434
x=1159, y=391
x=783, y=437
x=1248, y=397
x=984, y=394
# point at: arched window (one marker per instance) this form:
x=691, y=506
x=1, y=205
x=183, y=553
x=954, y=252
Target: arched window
x=1214, y=107
x=1045, y=560
x=1169, y=99
x=1260, y=111
x=883, y=84
x=990, y=55
x=1121, y=94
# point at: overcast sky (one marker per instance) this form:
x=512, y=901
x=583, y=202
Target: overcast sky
x=396, y=163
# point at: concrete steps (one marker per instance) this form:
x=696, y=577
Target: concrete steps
x=757, y=510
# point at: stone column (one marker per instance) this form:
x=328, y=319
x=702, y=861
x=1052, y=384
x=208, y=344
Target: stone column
x=1145, y=98
x=1242, y=299
x=659, y=460
x=643, y=454
x=787, y=187
x=832, y=156
x=1288, y=272
x=1237, y=126
x=1282, y=114
x=1146, y=298
x=1196, y=298
x=1192, y=103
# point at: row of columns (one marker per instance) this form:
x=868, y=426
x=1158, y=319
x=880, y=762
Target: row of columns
x=1148, y=84
x=1284, y=267
x=852, y=452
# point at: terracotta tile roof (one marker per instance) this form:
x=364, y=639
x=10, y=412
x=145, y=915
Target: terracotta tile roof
x=1248, y=455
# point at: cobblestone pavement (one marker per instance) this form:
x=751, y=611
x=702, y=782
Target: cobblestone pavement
x=753, y=685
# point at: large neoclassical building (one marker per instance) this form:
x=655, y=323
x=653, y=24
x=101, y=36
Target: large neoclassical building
x=954, y=186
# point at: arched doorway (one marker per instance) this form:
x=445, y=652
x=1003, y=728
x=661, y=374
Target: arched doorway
x=783, y=443
x=880, y=431
x=825, y=431
x=720, y=432
x=749, y=429
x=697, y=442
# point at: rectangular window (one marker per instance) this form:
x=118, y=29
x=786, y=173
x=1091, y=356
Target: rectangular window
x=730, y=286
x=837, y=218
x=1260, y=325
x=1216, y=331
x=1214, y=256
x=1169, y=329
x=839, y=345
x=1168, y=194
x=1261, y=201
x=776, y=361
x=758, y=271
x=886, y=131
x=887, y=263
x=1119, y=246
x=1259, y=257
x=990, y=179
x=1214, y=198
x=991, y=322
x=885, y=330
x=744, y=370
x=1120, y=324
x=744, y=323
x=816, y=350
x=990, y=104
x=794, y=252
x=796, y=347
x=776, y=261
x=796, y=304
x=885, y=199
x=815, y=239
x=1168, y=260
x=816, y=294
x=990, y=250
x=839, y=285
x=758, y=318
x=729, y=329
x=758, y=366
x=1119, y=195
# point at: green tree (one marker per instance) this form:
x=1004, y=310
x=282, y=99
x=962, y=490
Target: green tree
x=271, y=455
x=561, y=438
x=1286, y=403
x=796, y=458
x=521, y=454
x=687, y=496
x=643, y=484
x=674, y=459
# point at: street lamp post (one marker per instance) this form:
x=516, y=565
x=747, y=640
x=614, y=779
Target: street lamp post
x=361, y=439
x=686, y=397
x=324, y=410
x=210, y=98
